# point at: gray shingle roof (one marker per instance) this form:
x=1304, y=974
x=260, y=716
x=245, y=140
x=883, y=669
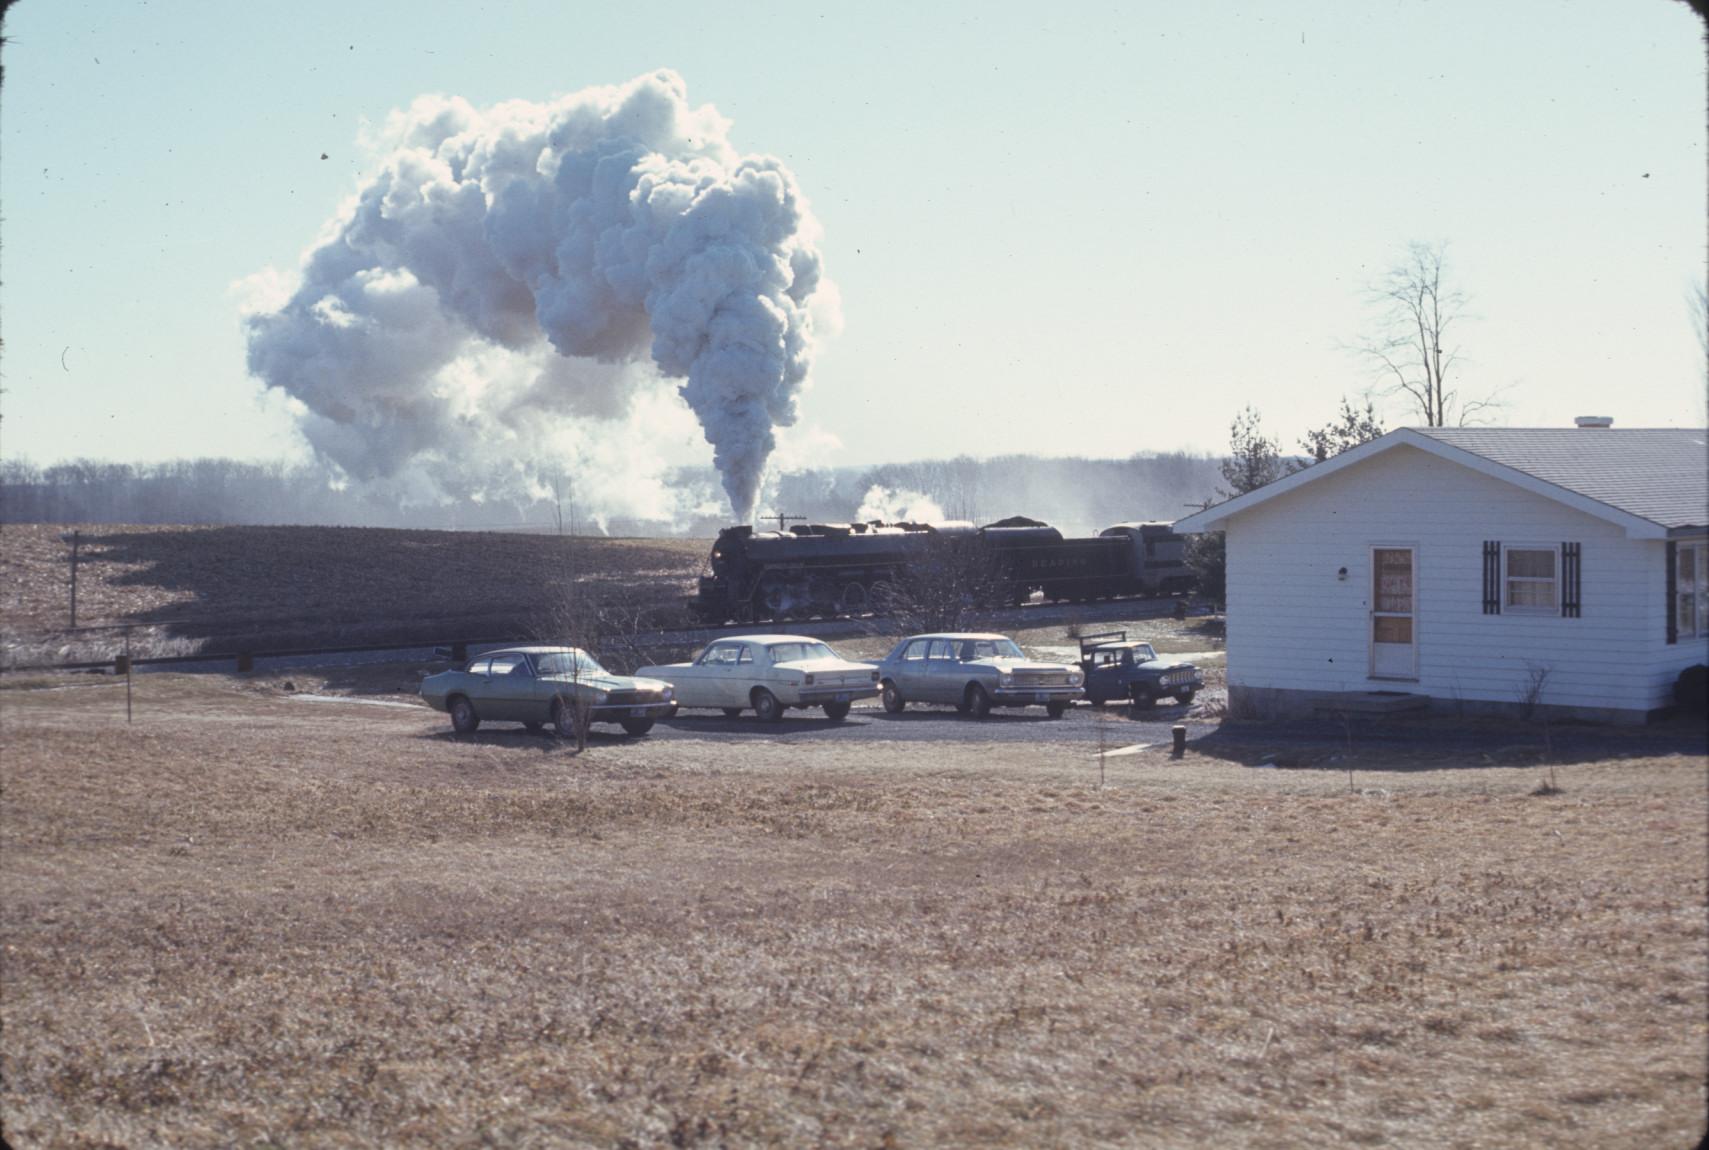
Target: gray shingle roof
x=1661, y=474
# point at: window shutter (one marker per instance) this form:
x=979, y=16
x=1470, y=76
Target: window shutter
x=1672, y=604
x=1569, y=580
x=1492, y=578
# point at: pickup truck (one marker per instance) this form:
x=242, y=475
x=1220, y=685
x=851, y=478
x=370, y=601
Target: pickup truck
x=1119, y=668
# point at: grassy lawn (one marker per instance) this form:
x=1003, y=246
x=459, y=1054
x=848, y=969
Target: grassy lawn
x=248, y=919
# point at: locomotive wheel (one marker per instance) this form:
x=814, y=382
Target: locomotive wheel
x=853, y=600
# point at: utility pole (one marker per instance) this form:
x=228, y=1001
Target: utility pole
x=780, y=517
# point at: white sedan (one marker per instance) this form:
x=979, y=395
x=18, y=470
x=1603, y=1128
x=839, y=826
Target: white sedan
x=769, y=673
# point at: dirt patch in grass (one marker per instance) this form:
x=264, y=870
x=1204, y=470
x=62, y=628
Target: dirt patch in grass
x=245, y=919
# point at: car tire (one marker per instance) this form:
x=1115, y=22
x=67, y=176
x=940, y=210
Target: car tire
x=978, y=702
x=563, y=719
x=732, y=712
x=464, y=719
x=1185, y=697
x=893, y=700
x=1056, y=710
x=766, y=707
x=837, y=712
x=637, y=727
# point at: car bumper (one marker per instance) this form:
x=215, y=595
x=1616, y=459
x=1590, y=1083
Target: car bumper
x=1034, y=696
x=819, y=696
x=606, y=713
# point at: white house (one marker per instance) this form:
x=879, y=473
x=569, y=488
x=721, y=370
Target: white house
x=1483, y=568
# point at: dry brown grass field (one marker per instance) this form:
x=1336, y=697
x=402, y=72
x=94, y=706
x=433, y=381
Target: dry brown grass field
x=247, y=587
x=249, y=919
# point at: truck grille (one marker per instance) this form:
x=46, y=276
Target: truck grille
x=1176, y=678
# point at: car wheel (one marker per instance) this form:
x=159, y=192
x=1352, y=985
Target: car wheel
x=1056, y=710
x=1184, y=697
x=837, y=712
x=563, y=719
x=978, y=701
x=732, y=712
x=1143, y=698
x=533, y=728
x=464, y=720
x=893, y=700
x=766, y=707
x=637, y=727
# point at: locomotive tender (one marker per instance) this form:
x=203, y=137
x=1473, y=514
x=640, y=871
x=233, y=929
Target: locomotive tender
x=825, y=569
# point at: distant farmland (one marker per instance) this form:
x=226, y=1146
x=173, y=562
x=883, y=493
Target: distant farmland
x=226, y=588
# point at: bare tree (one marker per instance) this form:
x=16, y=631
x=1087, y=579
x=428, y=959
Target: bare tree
x=1413, y=348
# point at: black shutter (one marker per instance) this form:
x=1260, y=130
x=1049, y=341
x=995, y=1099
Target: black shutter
x=1569, y=580
x=1672, y=604
x=1492, y=578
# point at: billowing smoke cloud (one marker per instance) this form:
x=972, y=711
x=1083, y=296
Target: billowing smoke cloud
x=511, y=280
x=898, y=506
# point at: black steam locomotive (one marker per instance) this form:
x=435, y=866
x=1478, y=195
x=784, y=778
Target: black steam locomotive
x=825, y=569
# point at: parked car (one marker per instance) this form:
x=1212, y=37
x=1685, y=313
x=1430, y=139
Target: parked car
x=539, y=685
x=974, y=672
x=770, y=673
x=1117, y=668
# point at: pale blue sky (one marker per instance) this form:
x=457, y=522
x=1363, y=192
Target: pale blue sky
x=1059, y=229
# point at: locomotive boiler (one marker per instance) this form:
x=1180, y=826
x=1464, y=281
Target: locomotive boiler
x=829, y=569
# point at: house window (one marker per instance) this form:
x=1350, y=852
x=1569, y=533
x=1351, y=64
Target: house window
x=1531, y=579
x=1691, y=590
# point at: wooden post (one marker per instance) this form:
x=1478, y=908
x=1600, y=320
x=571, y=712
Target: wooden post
x=127, y=659
x=1179, y=733
x=76, y=538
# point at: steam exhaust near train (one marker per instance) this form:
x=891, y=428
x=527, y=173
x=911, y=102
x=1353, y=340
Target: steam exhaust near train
x=827, y=569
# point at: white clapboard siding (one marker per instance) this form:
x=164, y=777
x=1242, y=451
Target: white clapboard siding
x=1294, y=625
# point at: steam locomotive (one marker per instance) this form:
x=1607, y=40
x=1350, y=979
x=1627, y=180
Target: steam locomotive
x=825, y=569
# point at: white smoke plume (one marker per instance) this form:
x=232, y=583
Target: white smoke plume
x=898, y=506
x=505, y=292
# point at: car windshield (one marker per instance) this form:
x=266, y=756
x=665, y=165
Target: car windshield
x=795, y=652
x=568, y=663
x=972, y=649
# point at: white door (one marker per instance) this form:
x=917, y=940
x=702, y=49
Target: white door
x=1394, y=651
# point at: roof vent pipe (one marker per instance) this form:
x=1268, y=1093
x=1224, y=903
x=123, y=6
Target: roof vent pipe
x=1595, y=421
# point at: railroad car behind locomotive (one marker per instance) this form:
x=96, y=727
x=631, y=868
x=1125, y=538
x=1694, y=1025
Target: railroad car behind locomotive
x=825, y=569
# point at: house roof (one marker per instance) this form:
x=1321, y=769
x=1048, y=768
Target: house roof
x=1654, y=482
